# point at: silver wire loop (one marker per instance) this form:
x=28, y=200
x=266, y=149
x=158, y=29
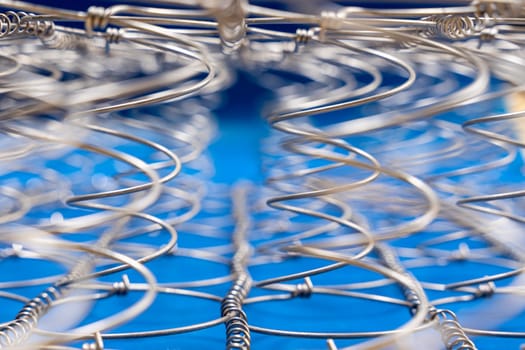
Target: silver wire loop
x=391, y=145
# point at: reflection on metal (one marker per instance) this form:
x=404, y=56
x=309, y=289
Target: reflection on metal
x=391, y=176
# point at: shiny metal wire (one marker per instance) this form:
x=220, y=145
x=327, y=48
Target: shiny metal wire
x=237, y=326
x=386, y=127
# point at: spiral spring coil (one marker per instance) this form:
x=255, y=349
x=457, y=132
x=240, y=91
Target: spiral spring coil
x=452, y=26
x=389, y=258
x=451, y=331
x=382, y=129
x=237, y=328
x=22, y=23
x=17, y=331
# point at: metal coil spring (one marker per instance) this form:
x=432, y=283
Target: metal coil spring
x=15, y=332
x=451, y=27
x=13, y=23
x=23, y=23
x=452, y=334
x=237, y=329
x=390, y=260
x=64, y=41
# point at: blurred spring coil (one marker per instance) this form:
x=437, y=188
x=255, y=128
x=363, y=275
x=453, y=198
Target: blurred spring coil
x=451, y=26
x=237, y=329
x=15, y=332
x=12, y=23
x=452, y=333
x=234, y=317
x=390, y=260
x=23, y=23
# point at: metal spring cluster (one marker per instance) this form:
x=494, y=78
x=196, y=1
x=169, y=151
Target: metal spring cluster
x=17, y=331
x=457, y=27
x=452, y=333
x=453, y=27
x=22, y=23
x=237, y=329
x=14, y=24
x=327, y=211
x=390, y=260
